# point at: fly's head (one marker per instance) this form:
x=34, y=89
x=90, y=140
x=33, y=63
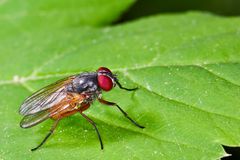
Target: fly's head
x=106, y=80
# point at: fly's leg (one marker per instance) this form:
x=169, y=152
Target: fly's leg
x=123, y=112
x=127, y=89
x=48, y=135
x=94, y=125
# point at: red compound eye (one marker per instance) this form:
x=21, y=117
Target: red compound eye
x=104, y=69
x=105, y=82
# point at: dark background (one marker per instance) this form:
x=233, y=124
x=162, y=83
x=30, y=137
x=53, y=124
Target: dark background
x=143, y=8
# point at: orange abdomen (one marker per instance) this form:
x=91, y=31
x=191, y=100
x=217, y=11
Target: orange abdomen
x=68, y=106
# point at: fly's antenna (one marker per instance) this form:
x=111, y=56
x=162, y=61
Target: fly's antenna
x=127, y=89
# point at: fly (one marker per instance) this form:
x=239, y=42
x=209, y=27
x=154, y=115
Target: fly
x=68, y=96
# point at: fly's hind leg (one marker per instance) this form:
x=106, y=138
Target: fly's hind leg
x=95, y=127
x=83, y=108
x=48, y=135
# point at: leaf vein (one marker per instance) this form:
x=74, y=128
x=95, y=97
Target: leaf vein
x=179, y=102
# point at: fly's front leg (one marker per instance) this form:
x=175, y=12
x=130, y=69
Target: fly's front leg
x=123, y=112
x=121, y=87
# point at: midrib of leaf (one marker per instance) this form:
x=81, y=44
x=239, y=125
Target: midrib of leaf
x=33, y=78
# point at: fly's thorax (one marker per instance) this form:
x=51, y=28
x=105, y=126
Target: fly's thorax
x=85, y=82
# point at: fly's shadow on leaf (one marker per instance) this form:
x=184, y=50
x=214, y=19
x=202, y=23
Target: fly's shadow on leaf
x=78, y=132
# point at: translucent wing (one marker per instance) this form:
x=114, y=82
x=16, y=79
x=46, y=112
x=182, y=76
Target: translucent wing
x=34, y=119
x=45, y=98
x=61, y=109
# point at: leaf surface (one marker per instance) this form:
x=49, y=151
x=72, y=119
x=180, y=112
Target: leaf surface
x=186, y=66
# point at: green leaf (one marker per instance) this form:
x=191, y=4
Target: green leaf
x=17, y=16
x=187, y=67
